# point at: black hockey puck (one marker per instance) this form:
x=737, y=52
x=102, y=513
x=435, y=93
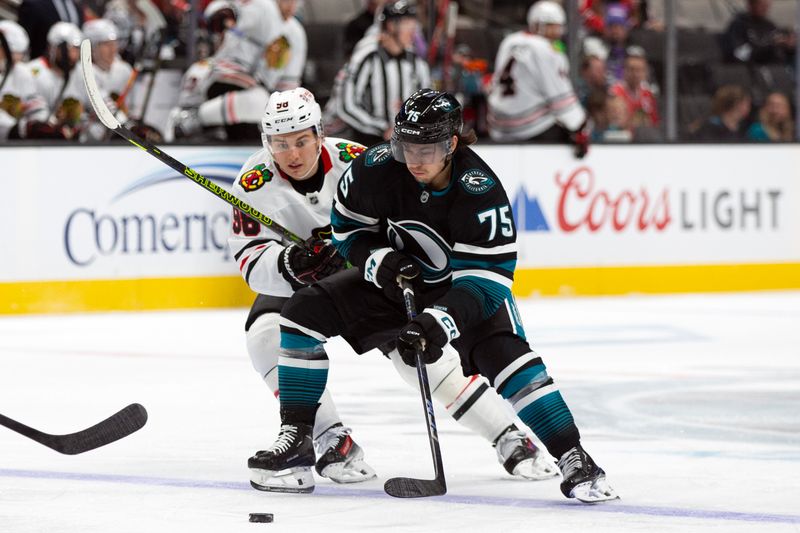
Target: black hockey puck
x=261, y=517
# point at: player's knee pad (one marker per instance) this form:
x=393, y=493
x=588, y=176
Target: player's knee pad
x=437, y=372
x=445, y=377
x=263, y=345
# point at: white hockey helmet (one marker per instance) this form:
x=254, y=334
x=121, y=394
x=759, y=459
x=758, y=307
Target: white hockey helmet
x=64, y=32
x=100, y=31
x=219, y=7
x=289, y=112
x=546, y=12
x=16, y=36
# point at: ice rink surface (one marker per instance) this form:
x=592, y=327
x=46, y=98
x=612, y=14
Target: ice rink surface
x=690, y=403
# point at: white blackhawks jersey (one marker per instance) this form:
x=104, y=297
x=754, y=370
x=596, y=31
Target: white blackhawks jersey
x=20, y=101
x=48, y=82
x=255, y=248
x=293, y=49
x=531, y=90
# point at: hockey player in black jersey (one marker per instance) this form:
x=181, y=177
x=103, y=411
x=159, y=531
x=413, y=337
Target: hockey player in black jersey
x=425, y=208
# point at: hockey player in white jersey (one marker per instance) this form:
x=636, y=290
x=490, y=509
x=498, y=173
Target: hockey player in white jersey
x=111, y=72
x=293, y=179
x=532, y=98
x=286, y=55
x=264, y=51
x=52, y=73
x=20, y=105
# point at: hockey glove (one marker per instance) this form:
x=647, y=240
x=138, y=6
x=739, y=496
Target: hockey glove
x=304, y=266
x=425, y=334
x=385, y=266
x=580, y=140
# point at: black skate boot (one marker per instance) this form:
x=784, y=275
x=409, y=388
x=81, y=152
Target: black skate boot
x=583, y=479
x=520, y=456
x=340, y=458
x=286, y=465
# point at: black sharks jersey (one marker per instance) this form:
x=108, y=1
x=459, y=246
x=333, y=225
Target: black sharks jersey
x=462, y=236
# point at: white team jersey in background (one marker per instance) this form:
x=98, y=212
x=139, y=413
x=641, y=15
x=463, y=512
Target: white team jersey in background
x=260, y=184
x=531, y=90
x=288, y=76
x=48, y=82
x=21, y=103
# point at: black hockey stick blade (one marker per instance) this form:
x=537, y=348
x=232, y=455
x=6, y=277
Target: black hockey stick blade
x=406, y=487
x=113, y=428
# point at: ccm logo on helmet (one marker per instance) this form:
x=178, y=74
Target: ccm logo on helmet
x=409, y=132
x=282, y=120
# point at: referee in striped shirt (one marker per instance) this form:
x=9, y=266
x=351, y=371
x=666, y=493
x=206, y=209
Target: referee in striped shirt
x=382, y=72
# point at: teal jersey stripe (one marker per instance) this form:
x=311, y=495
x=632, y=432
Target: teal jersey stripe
x=290, y=341
x=301, y=386
x=469, y=264
x=547, y=416
x=529, y=375
x=490, y=293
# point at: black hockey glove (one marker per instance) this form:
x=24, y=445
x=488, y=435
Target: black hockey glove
x=384, y=266
x=580, y=140
x=424, y=333
x=304, y=266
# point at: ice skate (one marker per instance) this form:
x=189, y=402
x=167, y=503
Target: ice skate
x=340, y=458
x=286, y=465
x=583, y=479
x=521, y=458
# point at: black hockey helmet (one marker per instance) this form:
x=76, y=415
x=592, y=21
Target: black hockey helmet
x=396, y=9
x=428, y=116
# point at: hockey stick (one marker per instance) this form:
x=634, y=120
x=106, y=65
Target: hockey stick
x=113, y=428
x=9, y=59
x=406, y=487
x=63, y=64
x=110, y=121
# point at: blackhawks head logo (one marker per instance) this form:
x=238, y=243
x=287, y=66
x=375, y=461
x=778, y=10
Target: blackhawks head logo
x=254, y=179
x=348, y=152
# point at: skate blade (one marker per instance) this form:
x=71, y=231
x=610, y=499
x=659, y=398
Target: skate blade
x=350, y=472
x=535, y=469
x=298, y=480
x=594, y=492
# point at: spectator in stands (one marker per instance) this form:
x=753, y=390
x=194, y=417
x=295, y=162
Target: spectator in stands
x=592, y=78
x=19, y=102
x=753, y=38
x=531, y=97
x=619, y=127
x=617, y=28
x=729, y=107
x=635, y=91
x=775, y=122
x=358, y=26
x=380, y=75
x=37, y=16
x=592, y=13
